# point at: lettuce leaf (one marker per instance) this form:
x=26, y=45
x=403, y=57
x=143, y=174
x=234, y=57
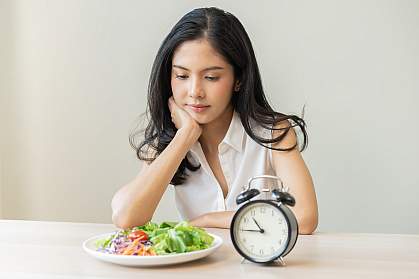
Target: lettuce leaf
x=169, y=237
x=173, y=237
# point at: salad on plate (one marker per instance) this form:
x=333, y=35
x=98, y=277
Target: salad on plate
x=152, y=239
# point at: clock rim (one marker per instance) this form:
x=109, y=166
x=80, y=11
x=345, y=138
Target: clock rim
x=233, y=239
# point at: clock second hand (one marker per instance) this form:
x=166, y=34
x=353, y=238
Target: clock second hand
x=260, y=229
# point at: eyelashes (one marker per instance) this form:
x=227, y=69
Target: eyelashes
x=183, y=77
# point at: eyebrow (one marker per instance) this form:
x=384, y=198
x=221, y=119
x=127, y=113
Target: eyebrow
x=204, y=70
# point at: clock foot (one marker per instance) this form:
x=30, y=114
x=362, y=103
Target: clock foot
x=281, y=261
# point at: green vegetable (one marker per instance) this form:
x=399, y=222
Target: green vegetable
x=102, y=243
x=174, y=237
x=168, y=237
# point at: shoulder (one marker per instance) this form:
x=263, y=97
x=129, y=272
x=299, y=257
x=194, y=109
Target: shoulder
x=285, y=130
x=287, y=139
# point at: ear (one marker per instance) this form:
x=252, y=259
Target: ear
x=237, y=86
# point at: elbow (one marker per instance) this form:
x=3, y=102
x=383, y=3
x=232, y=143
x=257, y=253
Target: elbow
x=119, y=217
x=307, y=229
x=123, y=221
x=126, y=216
x=308, y=225
x=120, y=222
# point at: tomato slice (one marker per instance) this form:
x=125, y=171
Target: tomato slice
x=142, y=235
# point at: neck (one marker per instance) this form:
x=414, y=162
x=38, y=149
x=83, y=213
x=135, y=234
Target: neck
x=214, y=132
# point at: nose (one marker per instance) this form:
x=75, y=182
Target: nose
x=195, y=89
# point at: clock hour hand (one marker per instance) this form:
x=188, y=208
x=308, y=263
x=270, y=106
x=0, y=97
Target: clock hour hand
x=250, y=230
x=260, y=229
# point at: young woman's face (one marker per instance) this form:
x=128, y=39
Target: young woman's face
x=202, y=81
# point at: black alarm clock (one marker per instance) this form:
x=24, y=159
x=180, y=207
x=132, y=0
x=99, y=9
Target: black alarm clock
x=264, y=230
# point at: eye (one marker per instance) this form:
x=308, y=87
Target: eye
x=181, y=76
x=212, y=78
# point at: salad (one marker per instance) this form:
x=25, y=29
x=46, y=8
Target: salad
x=152, y=239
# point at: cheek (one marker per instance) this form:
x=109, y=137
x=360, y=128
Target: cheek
x=223, y=91
x=177, y=89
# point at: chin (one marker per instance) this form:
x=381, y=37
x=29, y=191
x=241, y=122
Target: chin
x=201, y=120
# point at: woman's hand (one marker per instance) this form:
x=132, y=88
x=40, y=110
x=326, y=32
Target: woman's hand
x=182, y=119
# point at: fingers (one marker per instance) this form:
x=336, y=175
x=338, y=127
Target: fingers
x=179, y=116
x=170, y=103
x=172, y=108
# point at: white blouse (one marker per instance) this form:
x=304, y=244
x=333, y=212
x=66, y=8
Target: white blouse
x=240, y=157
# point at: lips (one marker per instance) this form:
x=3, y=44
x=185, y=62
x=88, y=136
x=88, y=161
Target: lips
x=198, y=108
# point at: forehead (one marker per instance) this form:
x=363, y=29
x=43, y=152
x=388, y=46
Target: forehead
x=197, y=54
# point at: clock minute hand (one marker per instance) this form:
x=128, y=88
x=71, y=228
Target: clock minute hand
x=260, y=229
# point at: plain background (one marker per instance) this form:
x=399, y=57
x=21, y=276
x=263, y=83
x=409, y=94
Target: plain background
x=73, y=79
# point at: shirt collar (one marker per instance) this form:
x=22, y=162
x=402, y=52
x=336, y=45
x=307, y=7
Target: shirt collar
x=234, y=137
x=235, y=133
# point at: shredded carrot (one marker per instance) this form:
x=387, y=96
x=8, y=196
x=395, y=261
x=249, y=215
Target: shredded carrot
x=136, y=247
x=130, y=249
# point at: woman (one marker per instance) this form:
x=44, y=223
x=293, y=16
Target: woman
x=211, y=129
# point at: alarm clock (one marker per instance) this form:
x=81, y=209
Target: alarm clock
x=264, y=230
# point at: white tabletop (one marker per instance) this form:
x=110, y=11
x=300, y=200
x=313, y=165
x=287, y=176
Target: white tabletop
x=32, y=249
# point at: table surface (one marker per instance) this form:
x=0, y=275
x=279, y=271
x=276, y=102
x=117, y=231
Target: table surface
x=34, y=249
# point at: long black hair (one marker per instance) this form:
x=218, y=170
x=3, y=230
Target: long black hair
x=228, y=37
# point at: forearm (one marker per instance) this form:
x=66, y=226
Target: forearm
x=219, y=219
x=135, y=203
x=305, y=210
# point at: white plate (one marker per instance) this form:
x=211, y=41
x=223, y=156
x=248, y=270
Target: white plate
x=129, y=260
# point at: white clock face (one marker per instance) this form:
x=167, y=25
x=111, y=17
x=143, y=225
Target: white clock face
x=261, y=231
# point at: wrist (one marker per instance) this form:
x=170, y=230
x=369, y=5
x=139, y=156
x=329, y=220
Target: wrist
x=193, y=131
